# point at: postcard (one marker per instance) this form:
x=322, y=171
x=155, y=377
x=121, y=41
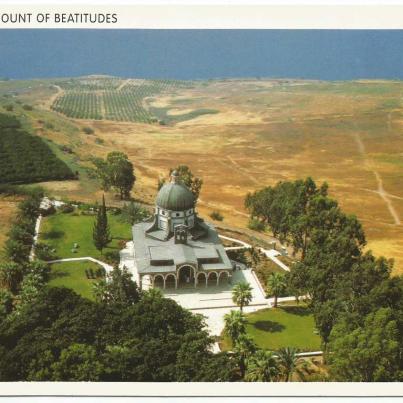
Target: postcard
x=201, y=200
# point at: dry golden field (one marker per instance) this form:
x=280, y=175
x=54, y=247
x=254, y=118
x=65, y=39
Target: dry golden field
x=349, y=134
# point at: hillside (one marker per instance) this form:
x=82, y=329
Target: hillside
x=239, y=135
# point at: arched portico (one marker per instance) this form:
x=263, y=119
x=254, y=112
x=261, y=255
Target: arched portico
x=186, y=276
x=201, y=279
x=212, y=278
x=223, y=278
x=171, y=281
x=159, y=281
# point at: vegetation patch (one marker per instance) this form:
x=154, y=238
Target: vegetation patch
x=73, y=275
x=25, y=158
x=165, y=118
x=110, y=98
x=288, y=326
x=63, y=230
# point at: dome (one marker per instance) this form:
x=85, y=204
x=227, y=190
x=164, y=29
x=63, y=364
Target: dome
x=175, y=196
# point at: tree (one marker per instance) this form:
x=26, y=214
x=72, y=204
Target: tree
x=11, y=276
x=243, y=349
x=31, y=285
x=40, y=269
x=187, y=177
x=101, y=232
x=152, y=294
x=242, y=294
x=6, y=303
x=17, y=251
x=133, y=213
x=366, y=354
x=118, y=288
x=288, y=361
x=235, y=325
x=100, y=291
x=78, y=362
x=262, y=367
x=253, y=256
x=290, y=209
x=116, y=172
x=121, y=173
x=276, y=285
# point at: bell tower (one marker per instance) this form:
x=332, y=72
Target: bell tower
x=181, y=234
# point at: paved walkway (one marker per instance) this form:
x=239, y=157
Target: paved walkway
x=270, y=253
x=215, y=296
x=36, y=236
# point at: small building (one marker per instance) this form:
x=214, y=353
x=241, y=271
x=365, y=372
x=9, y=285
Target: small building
x=176, y=248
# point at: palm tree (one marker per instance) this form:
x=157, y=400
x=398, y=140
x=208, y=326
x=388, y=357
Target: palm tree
x=276, y=285
x=100, y=291
x=235, y=325
x=288, y=361
x=262, y=367
x=10, y=276
x=242, y=294
x=243, y=349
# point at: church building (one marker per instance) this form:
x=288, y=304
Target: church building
x=176, y=248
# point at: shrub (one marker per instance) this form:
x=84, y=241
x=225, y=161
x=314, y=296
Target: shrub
x=88, y=130
x=49, y=126
x=9, y=107
x=44, y=252
x=217, y=216
x=27, y=107
x=99, y=141
x=122, y=244
x=256, y=225
x=66, y=208
x=112, y=257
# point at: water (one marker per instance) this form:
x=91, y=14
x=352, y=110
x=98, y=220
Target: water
x=203, y=54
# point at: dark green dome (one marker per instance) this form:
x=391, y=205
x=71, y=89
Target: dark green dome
x=175, y=196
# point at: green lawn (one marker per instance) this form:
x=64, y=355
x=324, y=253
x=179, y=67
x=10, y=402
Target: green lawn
x=61, y=231
x=288, y=326
x=72, y=275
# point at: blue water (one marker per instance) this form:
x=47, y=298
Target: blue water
x=202, y=54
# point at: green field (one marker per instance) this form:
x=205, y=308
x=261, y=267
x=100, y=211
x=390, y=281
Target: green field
x=288, y=326
x=25, y=158
x=61, y=231
x=72, y=275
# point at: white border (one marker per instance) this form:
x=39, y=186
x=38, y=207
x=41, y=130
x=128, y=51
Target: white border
x=175, y=389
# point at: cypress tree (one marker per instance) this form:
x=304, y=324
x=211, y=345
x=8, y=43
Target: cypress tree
x=101, y=232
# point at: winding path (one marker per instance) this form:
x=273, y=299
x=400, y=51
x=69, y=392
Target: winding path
x=106, y=266
x=380, y=190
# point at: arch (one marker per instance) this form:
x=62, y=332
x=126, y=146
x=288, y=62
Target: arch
x=159, y=281
x=201, y=279
x=170, y=280
x=223, y=278
x=186, y=276
x=212, y=278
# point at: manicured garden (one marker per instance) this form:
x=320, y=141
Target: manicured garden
x=61, y=231
x=73, y=275
x=287, y=326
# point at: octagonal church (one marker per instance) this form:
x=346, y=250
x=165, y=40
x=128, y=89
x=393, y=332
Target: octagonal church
x=176, y=248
